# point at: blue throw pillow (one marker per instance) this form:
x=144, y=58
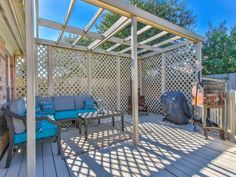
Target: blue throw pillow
x=47, y=107
x=89, y=104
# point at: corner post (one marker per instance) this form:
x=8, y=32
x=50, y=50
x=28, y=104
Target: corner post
x=118, y=84
x=50, y=72
x=89, y=74
x=163, y=73
x=31, y=142
x=134, y=69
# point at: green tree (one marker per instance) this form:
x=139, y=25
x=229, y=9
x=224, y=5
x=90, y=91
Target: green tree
x=219, y=50
x=174, y=11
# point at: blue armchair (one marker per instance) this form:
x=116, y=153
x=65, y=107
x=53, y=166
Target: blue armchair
x=48, y=128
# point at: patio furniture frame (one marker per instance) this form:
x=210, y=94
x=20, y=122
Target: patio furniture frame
x=11, y=147
x=85, y=118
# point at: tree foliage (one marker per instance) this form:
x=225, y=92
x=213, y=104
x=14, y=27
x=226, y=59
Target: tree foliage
x=219, y=50
x=171, y=10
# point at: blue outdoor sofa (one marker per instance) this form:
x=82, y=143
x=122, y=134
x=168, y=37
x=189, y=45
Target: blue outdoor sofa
x=49, y=110
x=65, y=108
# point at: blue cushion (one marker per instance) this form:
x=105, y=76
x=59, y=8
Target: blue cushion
x=62, y=103
x=79, y=100
x=37, y=108
x=89, y=104
x=47, y=107
x=66, y=114
x=48, y=130
x=18, y=107
x=39, y=125
x=43, y=99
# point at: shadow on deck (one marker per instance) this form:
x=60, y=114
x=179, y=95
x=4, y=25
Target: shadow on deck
x=164, y=150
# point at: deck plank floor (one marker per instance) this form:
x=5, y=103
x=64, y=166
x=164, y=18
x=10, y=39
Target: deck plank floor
x=164, y=150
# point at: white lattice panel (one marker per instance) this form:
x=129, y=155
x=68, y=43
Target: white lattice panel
x=42, y=74
x=104, y=79
x=20, y=77
x=70, y=71
x=151, y=82
x=181, y=70
x=125, y=83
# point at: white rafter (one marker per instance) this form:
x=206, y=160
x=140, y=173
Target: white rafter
x=115, y=28
x=144, y=29
x=90, y=24
x=147, y=40
x=72, y=3
x=79, y=31
x=161, y=43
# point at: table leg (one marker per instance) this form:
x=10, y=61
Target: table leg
x=99, y=121
x=113, y=121
x=79, y=122
x=122, y=123
x=85, y=130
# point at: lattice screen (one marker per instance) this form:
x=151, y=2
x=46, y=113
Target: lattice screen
x=180, y=73
x=104, y=79
x=20, y=77
x=125, y=84
x=151, y=72
x=70, y=75
x=42, y=79
x=181, y=70
x=70, y=71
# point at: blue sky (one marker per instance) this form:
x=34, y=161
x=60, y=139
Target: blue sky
x=215, y=11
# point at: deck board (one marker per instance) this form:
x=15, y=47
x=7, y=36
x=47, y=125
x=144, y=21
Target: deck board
x=49, y=168
x=164, y=150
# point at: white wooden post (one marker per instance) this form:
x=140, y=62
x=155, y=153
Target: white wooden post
x=118, y=83
x=134, y=68
x=31, y=146
x=36, y=70
x=163, y=73
x=199, y=58
x=89, y=74
x=50, y=72
x=140, y=75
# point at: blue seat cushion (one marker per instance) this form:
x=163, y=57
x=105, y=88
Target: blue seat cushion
x=47, y=107
x=47, y=130
x=66, y=114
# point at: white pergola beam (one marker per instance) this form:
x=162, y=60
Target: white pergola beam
x=90, y=24
x=147, y=41
x=134, y=71
x=78, y=31
x=157, y=36
x=81, y=48
x=169, y=48
x=145, y=17
x=115, y=28
x=144, y=29
x=30, y=61
x=161, y=44
x=72, y=3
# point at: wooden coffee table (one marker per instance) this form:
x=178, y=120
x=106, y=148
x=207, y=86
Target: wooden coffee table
x=91, y=116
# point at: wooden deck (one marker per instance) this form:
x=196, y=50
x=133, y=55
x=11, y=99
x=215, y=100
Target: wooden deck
x=165, y=150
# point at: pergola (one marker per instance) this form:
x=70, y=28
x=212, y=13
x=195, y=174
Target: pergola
x=135, y=50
